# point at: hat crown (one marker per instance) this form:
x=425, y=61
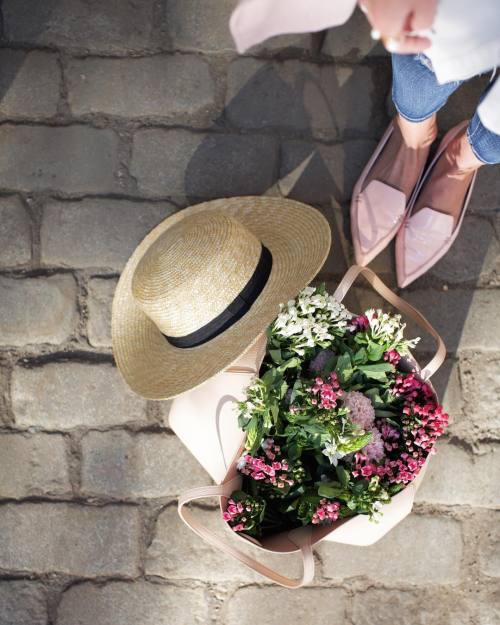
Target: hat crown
x=194, y=271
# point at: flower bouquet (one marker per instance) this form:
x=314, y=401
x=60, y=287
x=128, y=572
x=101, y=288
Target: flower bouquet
x=336, y=425
x=337, y=422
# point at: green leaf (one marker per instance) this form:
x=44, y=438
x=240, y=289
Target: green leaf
x=253, y=434
x=375, y=351
x=288, y=364
x=360, y=357
x=376, y=372
x=380, y=366
x=274, y=411
x=343, y=475
x=330, y=491
x=355, y=443
x=374, y=395
x=269, y=377
x=297, y=386
x=276, y=355
x=385, y=413
x=344, y=368
x=283, y=389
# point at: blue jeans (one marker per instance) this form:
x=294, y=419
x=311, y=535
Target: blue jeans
x=417, y=95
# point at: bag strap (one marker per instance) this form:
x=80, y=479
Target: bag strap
x=402, y=305
x=301, y=538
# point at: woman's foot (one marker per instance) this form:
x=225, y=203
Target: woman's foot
x=381, y=195
x=404, y=156
x=447, y=186
x=434, y=220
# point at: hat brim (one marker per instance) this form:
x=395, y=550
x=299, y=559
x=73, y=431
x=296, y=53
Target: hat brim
x=299, y=239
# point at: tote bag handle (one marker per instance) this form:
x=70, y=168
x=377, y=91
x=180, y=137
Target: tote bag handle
x=399, y=303
x=302, y=538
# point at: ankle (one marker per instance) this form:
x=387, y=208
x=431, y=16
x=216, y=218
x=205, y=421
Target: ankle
x=460, y=156
x=417, y=135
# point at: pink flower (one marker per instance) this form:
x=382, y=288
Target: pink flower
x=361, y=322
x=392, y=356
x=326, y=394
x=360, y=408
x=326, y=512
x=375, y=448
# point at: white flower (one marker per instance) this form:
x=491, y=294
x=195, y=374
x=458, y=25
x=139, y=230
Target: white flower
x=311, y=319
x=241, y=463
x=331, y=452
x=390, y=330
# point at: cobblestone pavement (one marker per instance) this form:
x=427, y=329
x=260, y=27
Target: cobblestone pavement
x=112, y=116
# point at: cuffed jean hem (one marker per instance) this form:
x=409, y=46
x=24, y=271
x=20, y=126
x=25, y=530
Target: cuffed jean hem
x=484, y=143
x=415, y=120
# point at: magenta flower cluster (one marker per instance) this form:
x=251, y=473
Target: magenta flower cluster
x=326, y=393
x=235, y=514
x=270, y=468
x=422, y=423
x=327, y=512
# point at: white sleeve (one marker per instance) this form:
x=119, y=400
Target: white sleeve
x=254, y=21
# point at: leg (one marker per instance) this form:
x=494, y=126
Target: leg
x=450, y=179
x=436, y=217
x=417, y=97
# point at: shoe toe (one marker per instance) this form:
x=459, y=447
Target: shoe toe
x=380, y=210
x=421, y=243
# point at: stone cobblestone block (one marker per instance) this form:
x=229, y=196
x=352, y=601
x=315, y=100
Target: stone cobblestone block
x=489, y=546
x=15, y=233
x=407, y=607
x=33, y=465
x=474, y=257
x=175, y=87
x=22, y=603
x=456, y=477
x=203, y=25
x=199, y=24
x=189, y=557
x=331, y=170
x=447, y=384
x=275, y=605
x=37, y=310
x=132, y=603
x=29, y=84
x=110, y=26
x=480, y=378
x=73, y=159
x=62, y=396
x=404, y=552
x=352, y=41
x=486, y=196
x=459, y=316
x=96, y=232
x=463, y=102
x=64, y=538
x=489, y=608
x=299, y=96
x=181, y=163
x=124, y=465
x=101, y=292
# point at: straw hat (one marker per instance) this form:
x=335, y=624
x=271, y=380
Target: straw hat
x=205, y=283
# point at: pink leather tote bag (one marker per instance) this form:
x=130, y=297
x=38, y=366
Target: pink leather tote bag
x=206, y=422
x=254, y=21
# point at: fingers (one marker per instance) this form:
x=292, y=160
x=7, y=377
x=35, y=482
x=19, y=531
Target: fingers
x=389, y=17
x=406, y=44
x=424, y=14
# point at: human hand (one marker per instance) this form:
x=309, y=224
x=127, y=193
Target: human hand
x=398, y=23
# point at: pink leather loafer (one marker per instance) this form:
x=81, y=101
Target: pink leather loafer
x=376, y=212
x=426, y=235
